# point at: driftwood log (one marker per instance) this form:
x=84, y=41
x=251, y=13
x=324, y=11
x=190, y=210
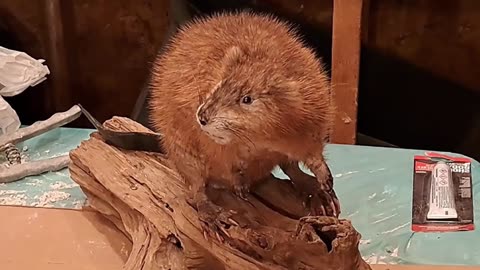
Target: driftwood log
x=146, y=200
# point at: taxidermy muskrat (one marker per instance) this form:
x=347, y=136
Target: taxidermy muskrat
x=234, y=95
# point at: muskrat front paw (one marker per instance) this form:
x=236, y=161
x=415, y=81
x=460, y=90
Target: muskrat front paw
x=241, y=191
x=215, y=220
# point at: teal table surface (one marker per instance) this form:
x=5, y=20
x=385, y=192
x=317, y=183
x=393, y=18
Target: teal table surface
x=374, y=186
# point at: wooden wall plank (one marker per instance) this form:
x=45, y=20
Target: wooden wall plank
x=347, y=15
x=61, y=96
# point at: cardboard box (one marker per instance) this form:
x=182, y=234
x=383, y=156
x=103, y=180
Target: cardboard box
x=60, y=239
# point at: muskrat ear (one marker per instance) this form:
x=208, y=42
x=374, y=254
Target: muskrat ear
x=279, y=82
x=231, y=57
x=283, y=86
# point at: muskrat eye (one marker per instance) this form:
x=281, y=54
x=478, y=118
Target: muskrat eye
x=247, y=100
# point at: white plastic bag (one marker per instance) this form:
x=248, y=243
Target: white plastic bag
x=18, y=71
x=9, y=121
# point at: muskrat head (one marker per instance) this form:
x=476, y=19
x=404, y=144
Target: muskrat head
x=249, y=103
x=232, y=112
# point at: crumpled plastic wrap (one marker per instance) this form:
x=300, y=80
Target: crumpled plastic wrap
x=9, y=120
x=18, y=71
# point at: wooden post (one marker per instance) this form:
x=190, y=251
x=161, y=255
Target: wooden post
x=57, y=56
x=347, y=15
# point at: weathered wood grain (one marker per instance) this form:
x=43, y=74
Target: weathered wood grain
x=147, y=201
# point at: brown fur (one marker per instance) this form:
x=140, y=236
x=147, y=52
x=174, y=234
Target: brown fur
x=216, y=61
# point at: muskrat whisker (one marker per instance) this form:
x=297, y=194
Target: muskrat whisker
x=242, y=137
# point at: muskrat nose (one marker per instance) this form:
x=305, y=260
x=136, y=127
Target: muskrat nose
x=203, y=121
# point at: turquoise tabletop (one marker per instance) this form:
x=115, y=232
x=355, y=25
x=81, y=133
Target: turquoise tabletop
x=374, y=186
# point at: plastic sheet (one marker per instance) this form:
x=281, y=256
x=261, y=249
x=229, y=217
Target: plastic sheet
x=18, y=71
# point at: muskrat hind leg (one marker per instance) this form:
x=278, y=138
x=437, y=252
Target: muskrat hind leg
x=310, y=188
x=325, y=180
